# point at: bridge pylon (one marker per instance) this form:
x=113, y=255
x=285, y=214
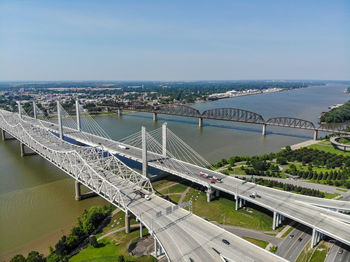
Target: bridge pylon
x=77, y=110
x=59, y=116
x=164, y=139
x=144, y=151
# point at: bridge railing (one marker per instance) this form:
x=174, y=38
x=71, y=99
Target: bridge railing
x=71, y=161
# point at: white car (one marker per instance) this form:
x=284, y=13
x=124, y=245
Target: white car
x=147, y=197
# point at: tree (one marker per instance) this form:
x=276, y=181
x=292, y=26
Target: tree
x=18, y=258
x=35, y=256
x=347, y=184
x=121, y=259
x=53, y=257
x=93, y=241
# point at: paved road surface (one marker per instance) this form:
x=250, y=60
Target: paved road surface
x=182, y=234
x=246, y=232
x=338, y=253
x=288, y=204
x=291, y=247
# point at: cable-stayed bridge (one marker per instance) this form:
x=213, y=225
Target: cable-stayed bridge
x=163, y=150
x=178, y=234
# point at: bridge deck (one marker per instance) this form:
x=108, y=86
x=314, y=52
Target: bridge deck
x=297, y=207
x=182, y=235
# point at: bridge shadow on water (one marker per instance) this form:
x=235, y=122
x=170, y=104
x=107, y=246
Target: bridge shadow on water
x=247, y=129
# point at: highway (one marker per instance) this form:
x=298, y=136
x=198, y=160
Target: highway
x=302, y=209
x=294, y=243
x=338, y=253
x=182, y=235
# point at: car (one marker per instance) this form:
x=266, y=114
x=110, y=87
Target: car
x=291, y=236
x=341, y=251
x=147, y=197
x=225, y=242
x=300, y=239
x=252, y=196
x=204, y=175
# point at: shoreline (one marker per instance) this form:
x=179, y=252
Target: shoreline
x=40, y=244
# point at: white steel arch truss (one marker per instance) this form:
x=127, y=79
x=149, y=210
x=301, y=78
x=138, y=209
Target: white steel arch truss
x=100, y=171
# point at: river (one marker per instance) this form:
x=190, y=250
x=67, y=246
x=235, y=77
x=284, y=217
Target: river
x=37, y=200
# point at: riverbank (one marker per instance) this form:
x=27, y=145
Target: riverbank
x=40, y=244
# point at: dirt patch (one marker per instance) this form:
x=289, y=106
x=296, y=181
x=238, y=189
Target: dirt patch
x=143, y=247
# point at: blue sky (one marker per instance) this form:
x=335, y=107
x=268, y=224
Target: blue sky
x=174, y=40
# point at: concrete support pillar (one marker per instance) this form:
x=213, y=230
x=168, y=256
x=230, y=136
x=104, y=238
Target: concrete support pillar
x=279, y=219
x=34, y=110
x=217, y=193
x=60, y=129
x=23, y=153
x=155, y=248
x=240, y=202
x=144, y=151
x=77, y=111
x=313, y=237
x=200, y=122
x=120, y=112
x=164, y=139
x=315, y=134
x=274, y=221
x=127, y=222
x=3, y=135
x=155, y=117
x=77, y=190
x=19, y=109
x=209, y=192
x=141, y=235
x=237, y=200
x=264, y=129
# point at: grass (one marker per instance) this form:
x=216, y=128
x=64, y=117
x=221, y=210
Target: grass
x=162, y=183
x=320, y=253
x=258, y=242
x=287, y=232
x=237, y=171
x=173, y=198
x=305, y=254
x=315, y=254
x=108, y=252
x=223, y=211
x=342, y=190
x=273, y=249
x=300, y=166
x=327, y=147
x=179, y=188
x=331, y=195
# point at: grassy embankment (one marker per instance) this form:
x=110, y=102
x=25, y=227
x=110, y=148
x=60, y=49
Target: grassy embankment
x=315, y=254
x=221, y=210
x=115, y=244
x=258, y=242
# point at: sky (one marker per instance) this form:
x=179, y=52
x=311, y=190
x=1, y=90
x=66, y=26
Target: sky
x=174, y=40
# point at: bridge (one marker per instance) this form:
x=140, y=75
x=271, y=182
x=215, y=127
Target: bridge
x=144, y=147
x=234, y=115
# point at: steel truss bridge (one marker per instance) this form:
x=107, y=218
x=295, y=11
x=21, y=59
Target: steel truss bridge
x=236, y=115
x=180, y=235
